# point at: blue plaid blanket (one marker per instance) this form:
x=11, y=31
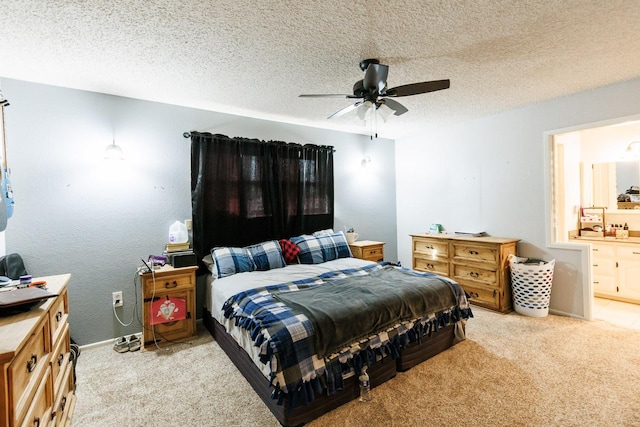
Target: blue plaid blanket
x=285, y=337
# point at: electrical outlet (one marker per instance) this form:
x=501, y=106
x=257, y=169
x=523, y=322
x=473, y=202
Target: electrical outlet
x=117, y=299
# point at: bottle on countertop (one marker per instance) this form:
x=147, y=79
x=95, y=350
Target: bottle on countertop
x=365, y=386
x=625, y=231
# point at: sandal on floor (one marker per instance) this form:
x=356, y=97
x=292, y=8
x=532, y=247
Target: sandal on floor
x=134, y=343
x=121, y=345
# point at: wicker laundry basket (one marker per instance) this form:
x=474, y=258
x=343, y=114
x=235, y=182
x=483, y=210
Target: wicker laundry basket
x=531, y=281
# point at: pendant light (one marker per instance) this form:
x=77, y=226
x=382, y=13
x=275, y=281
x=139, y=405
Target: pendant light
x=113, y=152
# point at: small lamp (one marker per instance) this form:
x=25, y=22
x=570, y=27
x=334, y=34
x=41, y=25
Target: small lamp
x=113, y=152
x=632, y=152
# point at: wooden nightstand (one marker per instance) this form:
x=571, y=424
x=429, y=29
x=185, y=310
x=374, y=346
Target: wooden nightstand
x=368, y=249
x=168, y=282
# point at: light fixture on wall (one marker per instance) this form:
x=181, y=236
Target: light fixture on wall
x=113, y=152
x=633, y=151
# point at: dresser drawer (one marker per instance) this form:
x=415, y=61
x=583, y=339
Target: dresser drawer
x=431, y=247
x=60, y=357
x=39, y=412
x=475, y=274
x=469, y=252
x=58, y=315
x=25, y=371
x=431, y=266
x=63, y=397
x=167, y=283
x=485, y=297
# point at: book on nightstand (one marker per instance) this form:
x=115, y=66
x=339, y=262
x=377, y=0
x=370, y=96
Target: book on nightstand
x=177, y=247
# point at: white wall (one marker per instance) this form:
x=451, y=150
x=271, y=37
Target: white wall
x=492, y=174
x=75, y=215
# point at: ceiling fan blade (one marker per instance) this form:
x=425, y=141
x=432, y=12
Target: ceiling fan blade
x=345, y=110
x=398, y=108
x=325, y=95
x=418, y=88
x=376, y=77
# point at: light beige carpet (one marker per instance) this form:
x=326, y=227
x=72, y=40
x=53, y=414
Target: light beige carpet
x=511, y=371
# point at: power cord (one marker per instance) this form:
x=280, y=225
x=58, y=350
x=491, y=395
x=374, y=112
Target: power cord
x=135, y=306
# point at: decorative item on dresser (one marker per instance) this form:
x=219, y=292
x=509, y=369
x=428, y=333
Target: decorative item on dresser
x=368, y=249
x=164, y=283
x=37, y=375
x=479, y=264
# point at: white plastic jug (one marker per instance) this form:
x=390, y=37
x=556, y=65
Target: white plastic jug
x=178, y=233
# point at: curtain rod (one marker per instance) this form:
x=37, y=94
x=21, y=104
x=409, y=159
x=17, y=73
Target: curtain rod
x=188, y=135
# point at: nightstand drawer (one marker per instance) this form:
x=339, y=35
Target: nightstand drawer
x=369, y=250
x=431, y=266
x=371, y=254
x=167, y=283
x=169, y=331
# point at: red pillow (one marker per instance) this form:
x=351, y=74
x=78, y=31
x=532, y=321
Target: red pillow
x=290, y=250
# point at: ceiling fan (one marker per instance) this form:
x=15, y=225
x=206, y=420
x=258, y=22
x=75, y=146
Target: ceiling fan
x=372, y=91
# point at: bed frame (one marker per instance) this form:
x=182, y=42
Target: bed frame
x=378, y=373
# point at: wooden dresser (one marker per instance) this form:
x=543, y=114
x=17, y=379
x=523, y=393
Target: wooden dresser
x=479, y=264
x=168, y=282
x=37, y=375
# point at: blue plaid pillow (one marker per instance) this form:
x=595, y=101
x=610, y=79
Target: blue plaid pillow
x=267, y=255
x=229, y=261
x=317, y=249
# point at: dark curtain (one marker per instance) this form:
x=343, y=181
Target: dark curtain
x=245, y=191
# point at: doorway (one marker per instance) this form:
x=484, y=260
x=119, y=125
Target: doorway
x=583, y=164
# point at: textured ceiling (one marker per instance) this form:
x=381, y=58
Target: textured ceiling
x=255, y=57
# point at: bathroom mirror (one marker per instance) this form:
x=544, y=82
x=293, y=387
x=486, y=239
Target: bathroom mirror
x=614, y=178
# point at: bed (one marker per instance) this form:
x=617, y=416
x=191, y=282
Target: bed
x=298, y=345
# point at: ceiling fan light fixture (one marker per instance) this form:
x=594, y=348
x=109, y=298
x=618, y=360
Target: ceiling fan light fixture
x=385, y=112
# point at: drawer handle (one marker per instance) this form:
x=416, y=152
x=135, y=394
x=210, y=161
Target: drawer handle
x=494, y=292
x=171, y=285
x=636, y=253
x=473, y=252
x=31, y=364
x=64, y=402
x=430, y=247
x=474, y=274
x=430, y=266
x=58, y=316
x=474, y=295
x=595, y=265
x=36, y=422
x=60, y=359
